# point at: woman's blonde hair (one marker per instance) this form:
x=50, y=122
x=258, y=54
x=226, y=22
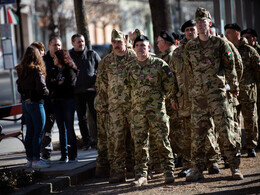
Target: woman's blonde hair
x=31, y=60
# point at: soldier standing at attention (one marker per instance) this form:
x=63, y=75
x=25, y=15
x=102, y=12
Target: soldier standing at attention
x=165, y=43
x=149, y=81
x=251, y=36
x=176, y=64
x=248, y=86
x=210, y=64
x=111, y=82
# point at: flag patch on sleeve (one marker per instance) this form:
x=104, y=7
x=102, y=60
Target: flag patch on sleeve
x=229, y=53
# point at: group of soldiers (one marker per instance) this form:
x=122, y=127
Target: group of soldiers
x=184, y=104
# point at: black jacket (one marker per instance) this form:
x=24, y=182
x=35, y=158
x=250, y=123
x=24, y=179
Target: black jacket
x=63, y=85
x=87, y=63
x=32, y=86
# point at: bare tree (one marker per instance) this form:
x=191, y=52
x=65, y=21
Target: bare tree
x=81, y=21
x=161, y=18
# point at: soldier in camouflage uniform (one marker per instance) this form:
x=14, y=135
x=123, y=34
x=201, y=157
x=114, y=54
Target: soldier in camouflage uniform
x=118, y=135
x=101, y=106
x=149, y=81
x=165, y=43
x=248, y=86
x=210, y=64
x=251, y=36
x=177, y=66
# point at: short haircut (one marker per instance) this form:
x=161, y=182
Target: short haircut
x=75, y=36
x=54, y=38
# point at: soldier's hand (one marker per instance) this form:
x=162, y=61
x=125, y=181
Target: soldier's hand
x=175, y=106
x=235, y=94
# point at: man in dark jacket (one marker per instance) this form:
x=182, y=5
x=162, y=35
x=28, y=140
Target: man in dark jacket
x=46, y=146
x=87, y=62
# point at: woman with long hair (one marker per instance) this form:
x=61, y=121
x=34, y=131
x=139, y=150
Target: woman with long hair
x=64, y=107
x=32, y=87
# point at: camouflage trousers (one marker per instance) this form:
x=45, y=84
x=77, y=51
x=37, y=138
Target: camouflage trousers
x=186, y=147
x=249, y=112
x=215, y=107
x=145, y=123
x=212, y=146
x=120, y=143
x=176, y=130
x=102, y=126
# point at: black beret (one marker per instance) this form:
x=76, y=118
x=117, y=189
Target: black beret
x=176, y=36
x=188, y=24
x=249, y=31
x=167, y=36
x=140, y=38
x=234, y=26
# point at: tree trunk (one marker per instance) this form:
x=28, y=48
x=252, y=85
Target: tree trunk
x=161, y=18
x=82, y=21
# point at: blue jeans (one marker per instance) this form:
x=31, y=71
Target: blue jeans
x=64, y=112
x=34, y=115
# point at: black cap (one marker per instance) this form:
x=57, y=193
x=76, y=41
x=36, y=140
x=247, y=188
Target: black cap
x=249, y=31
x=188, y=24
x=176, y=36
x=234, y=26
x=140, y=38
x=167, y=36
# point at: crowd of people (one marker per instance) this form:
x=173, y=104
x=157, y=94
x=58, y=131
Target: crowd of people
x=181, y=108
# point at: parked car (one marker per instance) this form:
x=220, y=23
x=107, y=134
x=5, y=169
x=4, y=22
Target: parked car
x=102, y=50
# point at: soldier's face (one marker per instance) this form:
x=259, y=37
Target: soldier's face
x=250, y=38
x=191, y=32
x=79, y=43
x=203, y=26
x=142, y=48
x=119, y=46
x=160, y=44
x=231, y=35
x=53, y=46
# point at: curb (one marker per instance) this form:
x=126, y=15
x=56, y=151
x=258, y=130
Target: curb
x=55, y=185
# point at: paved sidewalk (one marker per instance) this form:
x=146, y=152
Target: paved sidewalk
x=12, y=155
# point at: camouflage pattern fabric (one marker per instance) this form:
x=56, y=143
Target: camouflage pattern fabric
x=118, y=100
x=149, y=85
x=101, y=106
x=210, y=66
x=248, y=91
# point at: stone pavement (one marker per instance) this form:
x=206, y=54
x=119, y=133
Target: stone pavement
x=59, y=175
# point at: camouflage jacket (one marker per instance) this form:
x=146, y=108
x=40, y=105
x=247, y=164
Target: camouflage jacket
x=149, y=85
x=111, y=79
x=239, y=67
x=101, y=99
x=177, y=66
x=251, y=73
x=210, y=66
x=167, y=54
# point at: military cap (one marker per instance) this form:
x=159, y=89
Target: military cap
x=249, y=31
x=176, y=36
x=140, y=38
x=234, y=26
x=167, y=36
x=136, y=33
x=117, y=35
x=188, y=24
x=202, y=14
